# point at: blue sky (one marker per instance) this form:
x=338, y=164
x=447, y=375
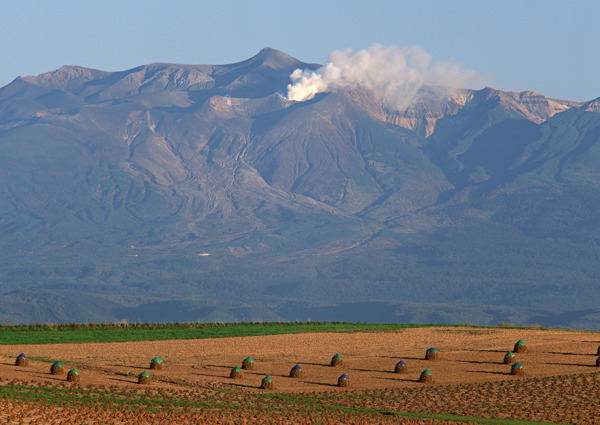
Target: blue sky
x=549, y=46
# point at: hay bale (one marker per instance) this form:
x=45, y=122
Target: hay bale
x=426, y=376
x=156, y=363
x=517, y=369
x=598, y=362
x=401, y=367
x=297, y=372
x=57, y=368
x=337, y=361
x=248, y=363
x=144, y=378
x=344, y=380
x=22, y=360
x=520, y=347
x=236, y=373
x=73, y=375
x=598, y=352
x=509, y=358
x=431, y=354
x=267, y=383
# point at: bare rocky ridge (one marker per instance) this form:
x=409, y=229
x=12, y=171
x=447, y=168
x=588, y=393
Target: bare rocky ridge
x=178, y=160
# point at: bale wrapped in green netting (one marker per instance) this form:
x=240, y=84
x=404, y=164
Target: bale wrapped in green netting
x=517, y=369
x=520, y=347
x=267, y=383
x=509, y=358
x=431, y=354
x=598, y=361
x=426, y=376
x=248, y=363
x=337, y=360
x=344, y=380
x=156, y=363
x=297, y=372
x=236, y=373
x=73, y=375
x=22, y=360
x=401, y=367
x=57, y=368
x=598, y=351
x=144, y=378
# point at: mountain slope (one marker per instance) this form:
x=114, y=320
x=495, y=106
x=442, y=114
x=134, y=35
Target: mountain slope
x=201, y=184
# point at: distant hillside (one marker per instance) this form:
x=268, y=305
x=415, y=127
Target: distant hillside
x=199, y=192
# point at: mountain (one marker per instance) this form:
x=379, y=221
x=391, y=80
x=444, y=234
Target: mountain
x=199, y=192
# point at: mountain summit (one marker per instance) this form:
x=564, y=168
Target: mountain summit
x=199, y=192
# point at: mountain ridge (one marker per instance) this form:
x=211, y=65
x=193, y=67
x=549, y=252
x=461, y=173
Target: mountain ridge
x=203, y=183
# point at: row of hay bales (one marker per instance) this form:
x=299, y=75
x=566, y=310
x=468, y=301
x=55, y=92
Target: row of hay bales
x=73, y=375
x=57, y=368
x=297, y=371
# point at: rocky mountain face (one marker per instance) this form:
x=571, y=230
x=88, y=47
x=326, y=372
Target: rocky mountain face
x=202, y=188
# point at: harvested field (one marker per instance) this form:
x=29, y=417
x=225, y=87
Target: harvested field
x=471, y=379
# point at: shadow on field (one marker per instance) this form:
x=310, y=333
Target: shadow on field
x=371, y=370
x=572, y=354
x=477, y=362
x=573, y=364
x=320, y=383
x=488, y=372
x=123, y=380
x=399, y=379
x=485, y=351
x=212, y=375
x=242, y=385
x=128, y=366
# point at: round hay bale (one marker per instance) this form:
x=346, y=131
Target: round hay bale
x=344, y=380
x=248, y=363
x=57, y=368
x=520, y=347
x=22, y=360
x=236, y=373
x=598, y=362
x=144, y=378
x=297, y=372
x=431, y=354
x=73, y=375
x=517, y=369
x=598, y=352
x=426, y=376
x=267, y=383
x=337, y=361
x=509, y=358
x=401, y=367
x=156, y=363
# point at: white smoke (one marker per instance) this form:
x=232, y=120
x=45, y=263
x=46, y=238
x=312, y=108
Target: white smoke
x=393, y=74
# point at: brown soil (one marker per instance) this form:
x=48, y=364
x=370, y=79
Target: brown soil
x=472, y=359
x=470, y=355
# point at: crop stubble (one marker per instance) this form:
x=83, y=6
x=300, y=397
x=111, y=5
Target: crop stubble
x=470, y=379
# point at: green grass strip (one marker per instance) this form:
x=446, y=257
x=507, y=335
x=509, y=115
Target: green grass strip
x=54, y=334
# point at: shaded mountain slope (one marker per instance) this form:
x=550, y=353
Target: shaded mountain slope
x=203, y=185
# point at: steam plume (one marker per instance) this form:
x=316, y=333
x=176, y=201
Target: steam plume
x=391, y=73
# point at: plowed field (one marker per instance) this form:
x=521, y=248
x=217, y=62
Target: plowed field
x=469, y=379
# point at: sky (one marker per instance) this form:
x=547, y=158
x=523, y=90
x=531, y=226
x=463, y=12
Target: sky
x=548, y=46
